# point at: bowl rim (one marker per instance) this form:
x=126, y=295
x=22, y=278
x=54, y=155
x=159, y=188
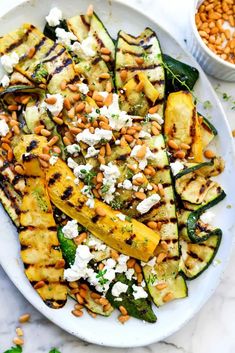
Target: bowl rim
x=200, y=41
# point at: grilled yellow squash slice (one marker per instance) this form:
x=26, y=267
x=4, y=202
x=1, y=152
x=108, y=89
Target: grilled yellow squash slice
x=182, y=123
x=129, y=237
x=40, y=252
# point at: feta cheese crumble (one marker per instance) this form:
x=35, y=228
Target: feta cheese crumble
x=176, y=167
x=121, y=216
x=207, y=217
x=142, y=161
x=4, y=129
x=53, y=160
x=119, y=288
x=5, y=81
x=111, y=173
x=9, y=61
x=89, y=46
x=64, y=37
x=155, y=117
x=81, y=170
x=54, y=17
x=145, y=205
x=83, y=88
x=90, y=202
x=70, y=230
x=72, y=149
x=91, y=152
x=139, y=292
x=55, y=108
x=79, y=269
x=92, y=139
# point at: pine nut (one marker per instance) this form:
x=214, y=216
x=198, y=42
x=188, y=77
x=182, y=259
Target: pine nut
x=18, y=341
x=105, y=51
x=83, y=293
x=108, y=87
x=79, y=299
x=161, y=286
x=10, y=155
x=19, y=332
x=161, y=189
x=131, y=263
x=108, y=100
x=108, y=150
x=142, y=152
x=80, y=238
x=91, y=313
x=51, y=100
x=154, y=131
x=140, y=87
x=105, y=75
x=140, y=195
x=43, y=163
x=185, y=146
x=44, y=157
x=73, y=88
x=129, y=138
x=103, y=301
x=114, y=254
x=139, y=61
x=16, y=129
x=53, y=140
x=209, y=154
x=123, y=310
x=123, y=75
x=24, y=318
x=137, y=268
x=106, y=58
x=19, y=170
x=63, y=85
x=172, y=144
x=95, y=295
x=168, y=297
x=38, y=129
x=56, y=149
x=39, y=284
x=73, y=284
x=123, y=318
x=107, y=307
x=78, y=306
x=100, y=211
x=31, y=52
x=154, y=109
x=97, y=97
x=67, y=104
x=66, y=141
x=152, y=225
x=12, y=107
x=77, y=312
x=45, y=132
x=179, y=154
x=101, y=159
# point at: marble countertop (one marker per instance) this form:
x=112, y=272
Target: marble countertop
x=211, y=330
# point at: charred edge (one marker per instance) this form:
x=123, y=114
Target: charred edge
x=40, y=44
x=96, y=60
x=55, y=56
x=139, y=55
x=52, y=228
x=129, y=241
x=50, y=50
x=21, y=40
x=139, y=68
x=33, y=144
x=10, y=197
x=100, y=42
x=54, y=178
x=67, y=193
x=83, y=18
x=60, y=68
x=5, y=166
x=195, y=256
x=73, y=80
x=95, y=218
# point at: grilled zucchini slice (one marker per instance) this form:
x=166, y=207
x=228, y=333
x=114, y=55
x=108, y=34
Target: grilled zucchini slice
x=208, y=132
x=40, y=251
x=51, y=63
x=196, y=257
x=150, y=73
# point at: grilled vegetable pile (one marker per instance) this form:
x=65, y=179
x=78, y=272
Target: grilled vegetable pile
x=103, y=167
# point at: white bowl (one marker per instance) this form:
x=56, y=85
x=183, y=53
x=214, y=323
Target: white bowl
x=209, y=61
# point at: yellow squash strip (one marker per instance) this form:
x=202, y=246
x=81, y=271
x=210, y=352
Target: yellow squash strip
x=182, y=123
x=41, y=255
x=130, y=238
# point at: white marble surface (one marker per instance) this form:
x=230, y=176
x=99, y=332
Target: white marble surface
x=211, y=330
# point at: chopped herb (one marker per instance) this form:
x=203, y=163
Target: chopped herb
x=151, y=279
x=127, y=228
x=100, y=275
x=128, y=218
x=97, y=111
x=17, y=349
x=207, y=105
x=116, y=204
x=88, y=177
x=54, y=350
x=40, y=72
x=105, y=188
x=129, y=174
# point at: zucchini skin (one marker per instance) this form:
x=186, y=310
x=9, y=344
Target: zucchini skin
x=67, y=246
x=194, y=216
x=186, y=73
x=193, y=169
x=49, y=31
x=139, y=308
